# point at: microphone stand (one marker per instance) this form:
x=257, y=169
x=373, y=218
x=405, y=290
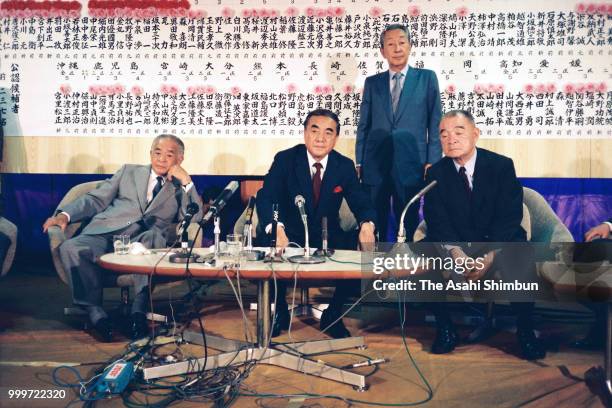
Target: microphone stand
x=306, y=258
x=401, y=231
x=217, y=232
x=183, y=256
x=249, y=253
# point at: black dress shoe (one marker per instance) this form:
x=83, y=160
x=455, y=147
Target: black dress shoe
x=531, y=346
x=337, y=330
x=594, y=340
x=103, y=330
x=139, y=327
x=446, y=340
x=281, y=320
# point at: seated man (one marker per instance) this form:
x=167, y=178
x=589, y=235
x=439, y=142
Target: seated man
x=140, y=201
x=478, y=199
x=323, y=177
x=597, y=248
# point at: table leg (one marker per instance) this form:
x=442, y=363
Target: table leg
x=263, y=312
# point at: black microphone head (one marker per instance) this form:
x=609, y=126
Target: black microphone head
x=299, y=200
x=192, y=208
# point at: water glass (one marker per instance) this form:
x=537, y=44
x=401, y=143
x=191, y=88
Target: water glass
x=121, y=244
x=234, y=246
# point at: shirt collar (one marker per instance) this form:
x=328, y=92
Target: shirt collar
x=154, y=176
x=312, y=161
x=404, y=71
x=469, y=166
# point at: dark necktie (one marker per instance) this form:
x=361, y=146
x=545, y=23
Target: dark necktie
x=466, y=182
x=316, y=183
x=396, y=91
x=157, y=187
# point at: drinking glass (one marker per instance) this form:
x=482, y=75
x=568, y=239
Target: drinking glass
x=121, y=244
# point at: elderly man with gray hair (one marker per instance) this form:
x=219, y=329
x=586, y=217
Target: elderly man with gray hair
x=140, y=201
x=397, y=135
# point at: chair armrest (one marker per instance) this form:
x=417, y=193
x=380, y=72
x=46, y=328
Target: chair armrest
x=10, y=230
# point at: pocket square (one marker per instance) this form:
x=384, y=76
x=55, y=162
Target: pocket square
x=338, y=189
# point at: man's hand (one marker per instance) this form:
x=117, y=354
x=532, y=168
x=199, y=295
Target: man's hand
x=60, y=220
x=179, y=173
x=457, y=253
x=281, y=238
x=601, y=231
x=478, y=271
x=366, y=236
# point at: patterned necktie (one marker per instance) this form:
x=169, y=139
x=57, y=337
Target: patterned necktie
x=466, y=182
x=157, y=187
x=397, y=90
x=316, y=183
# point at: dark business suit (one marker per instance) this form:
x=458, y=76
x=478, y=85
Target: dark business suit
x=290, y=176
x=393, y=149
x=492, y=213
x=119, y=206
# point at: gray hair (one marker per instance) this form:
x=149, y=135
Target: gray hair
x=175, y=139
x=460, y=112
x=394, y=27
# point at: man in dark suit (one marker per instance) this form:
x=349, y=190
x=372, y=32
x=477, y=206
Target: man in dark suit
x=478, y=199
x=397, y=135
x=597, y=247
x=323, y=177
x=140, y=201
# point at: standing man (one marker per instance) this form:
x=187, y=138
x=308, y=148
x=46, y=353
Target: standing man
x=323, y=177
x=140, y=201
x=477, y=204
x=397, y=135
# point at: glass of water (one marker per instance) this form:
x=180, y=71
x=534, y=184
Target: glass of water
x=121, y=244
x=234, y=246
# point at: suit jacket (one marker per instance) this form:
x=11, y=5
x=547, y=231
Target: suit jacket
x=290, y=176
x=399, y=145
x=494, y=212
x=121, y=201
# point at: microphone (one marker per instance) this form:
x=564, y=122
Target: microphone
x=306, y=258
x=220, y=201
x=273, y=256
x=192, y=210
x=401, y=231
x=250, y=208
x=183, y=256
x=324, y=251
x=248, y=252
x=299, y=202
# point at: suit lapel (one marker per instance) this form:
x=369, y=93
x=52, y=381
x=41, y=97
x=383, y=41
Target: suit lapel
x=385, y=91
x=409, y=86
x=164, y=194
x=304, y=179
x=141, y=184
x=328, y=182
